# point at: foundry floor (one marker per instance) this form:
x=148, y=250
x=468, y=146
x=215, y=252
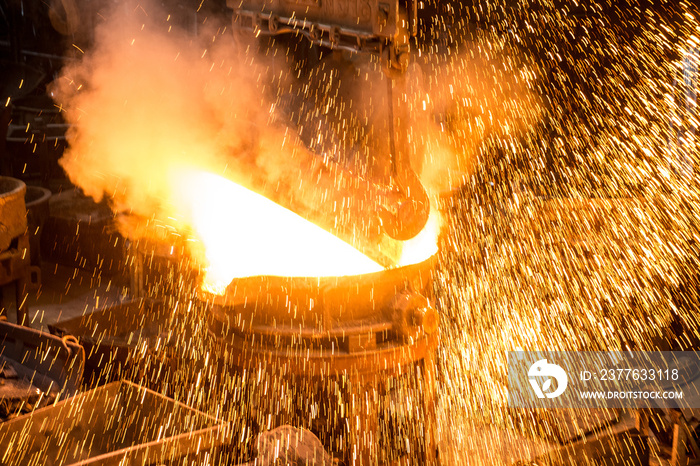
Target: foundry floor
x=65, y=292
x=68, y=291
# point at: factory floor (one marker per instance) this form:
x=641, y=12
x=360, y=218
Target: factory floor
x=65, y=292
x=68, y=291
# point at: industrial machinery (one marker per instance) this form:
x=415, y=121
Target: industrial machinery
x=382, y=29
x=15, y=264
x=350, y=358
x=375, y=26
x=341, y=356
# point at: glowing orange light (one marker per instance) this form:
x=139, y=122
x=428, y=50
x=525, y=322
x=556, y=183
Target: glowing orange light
x=245, y=234
x=423, y=245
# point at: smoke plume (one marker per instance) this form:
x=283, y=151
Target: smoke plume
x=151, y=99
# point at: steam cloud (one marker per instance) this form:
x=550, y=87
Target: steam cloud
x=150, y=99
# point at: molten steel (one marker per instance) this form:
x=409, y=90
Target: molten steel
x=245, y=234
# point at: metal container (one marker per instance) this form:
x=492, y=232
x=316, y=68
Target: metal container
x=12, y=210
x=14, y=244
x=36, y=368
x=334, y=339
x=360, y=322
x=116, y=424
x=37, y=203
x=320, y=301
x=117, y=339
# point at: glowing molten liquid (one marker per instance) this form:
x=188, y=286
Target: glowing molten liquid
x=424, y=244
x=245, y=234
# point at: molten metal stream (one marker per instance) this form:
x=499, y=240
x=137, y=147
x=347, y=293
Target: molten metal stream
x=245, y=234
x=241, y=233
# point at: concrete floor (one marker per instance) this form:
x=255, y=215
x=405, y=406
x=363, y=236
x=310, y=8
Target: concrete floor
x=68, y=292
